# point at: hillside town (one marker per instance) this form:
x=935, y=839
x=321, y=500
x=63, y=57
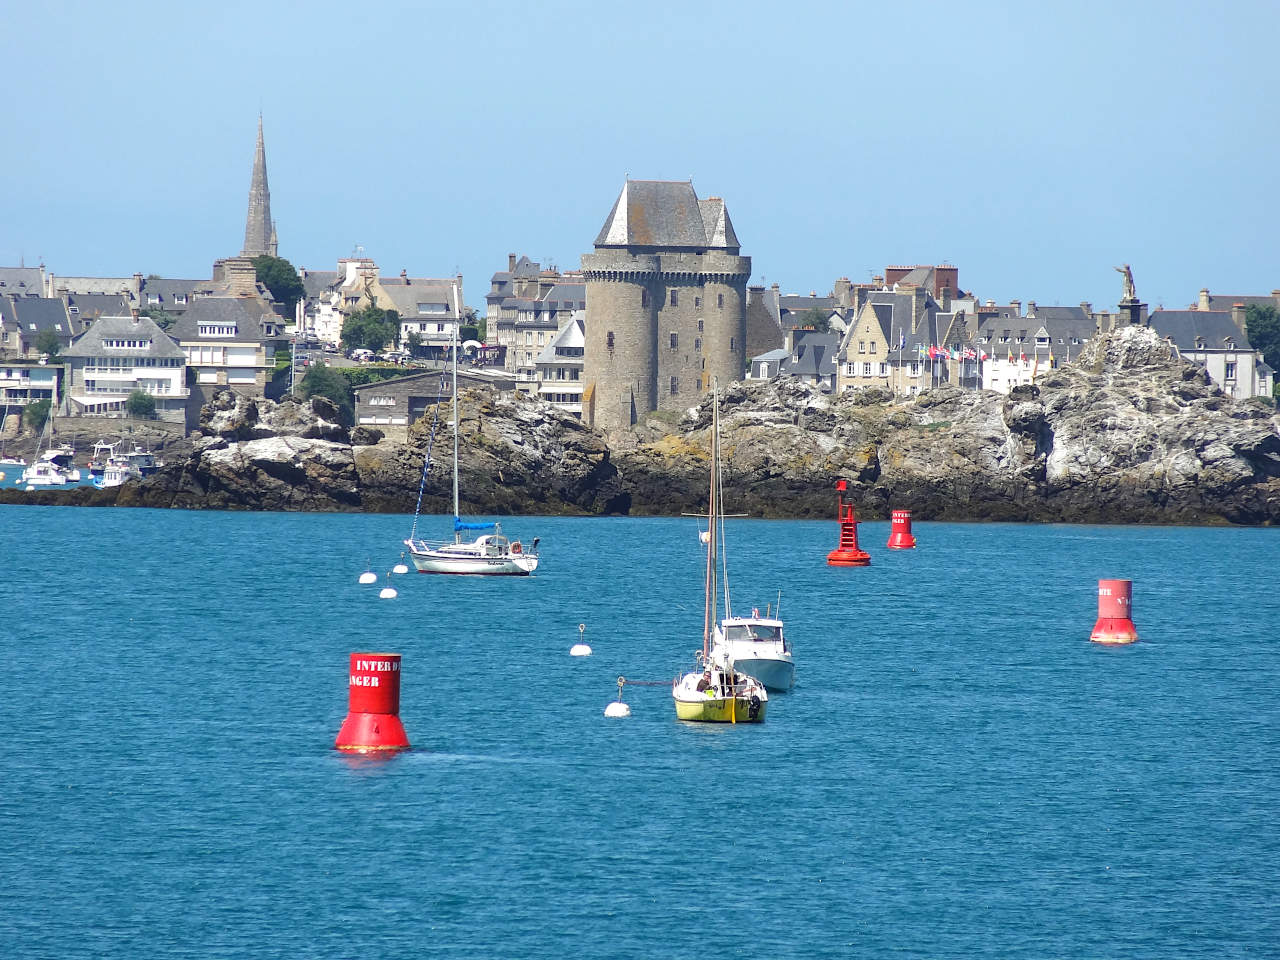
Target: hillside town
x=662, y=305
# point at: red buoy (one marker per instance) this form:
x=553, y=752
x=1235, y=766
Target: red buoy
x=1115, y=613
x=847, y=554
x=373, y=705
x=900, y=537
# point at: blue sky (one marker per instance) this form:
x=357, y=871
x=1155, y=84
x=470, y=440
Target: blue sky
x=1034, y=147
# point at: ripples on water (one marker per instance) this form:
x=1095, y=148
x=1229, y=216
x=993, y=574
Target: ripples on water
x=957, y=773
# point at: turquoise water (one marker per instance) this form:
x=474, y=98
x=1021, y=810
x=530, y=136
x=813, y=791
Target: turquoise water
x=958, y=771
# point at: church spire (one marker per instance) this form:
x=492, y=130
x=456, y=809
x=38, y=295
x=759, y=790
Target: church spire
x=259, y=231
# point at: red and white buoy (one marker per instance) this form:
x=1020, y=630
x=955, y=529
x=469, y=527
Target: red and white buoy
x=1115, y=613
x=900, y=537
x=847, y=553
x=373, y=706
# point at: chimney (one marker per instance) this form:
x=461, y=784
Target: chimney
x=1204, y=298
x=918, y=295
x=1087, y=307
x=134, y=314
x=946, y=299
x=841, y=292
x=1017, y=307
x=511, y=262
x=1238, y=318
x=878, y=281
x=1031, y=308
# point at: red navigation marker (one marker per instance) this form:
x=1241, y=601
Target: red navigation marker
x=1115, y=613
x=847, y=553
x=373, y=706
x=900, y=537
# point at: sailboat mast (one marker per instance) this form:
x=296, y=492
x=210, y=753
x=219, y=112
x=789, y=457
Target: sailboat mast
x=713, y=531
x=457, y=318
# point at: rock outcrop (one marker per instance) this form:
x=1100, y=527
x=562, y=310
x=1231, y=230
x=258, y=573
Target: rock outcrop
x=1127, y=433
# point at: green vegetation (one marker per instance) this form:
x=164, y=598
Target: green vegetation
x=37, y=413
x=371, y=328
x=140, y=405
x=47, y=342
x=816, y=318
x=1263, y=327
x=163, y=318
x=322, y=381
x=279, y=276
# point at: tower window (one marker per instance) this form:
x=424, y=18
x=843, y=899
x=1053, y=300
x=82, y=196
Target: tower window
x=697, y=346
x=699, y=326
x=720, y=300
x=675, y=302
x=733, y=344
x=673, y=341
x=697, y=301
x=675, y=385
x=608, y=340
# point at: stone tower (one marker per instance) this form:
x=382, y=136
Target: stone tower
x=259, y=231
x=666, y=304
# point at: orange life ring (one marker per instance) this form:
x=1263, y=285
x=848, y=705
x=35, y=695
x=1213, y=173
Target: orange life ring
x=516, y=548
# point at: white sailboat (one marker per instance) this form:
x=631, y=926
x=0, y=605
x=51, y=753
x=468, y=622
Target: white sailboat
x=718, y=692
x=490, y=553
x=53, y=466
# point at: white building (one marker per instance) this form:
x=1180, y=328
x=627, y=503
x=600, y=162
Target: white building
x=559, y=368
x=118, y=355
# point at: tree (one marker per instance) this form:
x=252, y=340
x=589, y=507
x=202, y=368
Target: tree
x=414, y=342
x=140, y=405
x=47, y=342
x=816, y=318
x=37, y=413
x=278, y=276
x=1262, y=324
x=163, y=318
x=371, y=328
x=322, y=381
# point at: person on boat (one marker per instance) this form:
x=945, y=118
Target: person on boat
x=705, y=681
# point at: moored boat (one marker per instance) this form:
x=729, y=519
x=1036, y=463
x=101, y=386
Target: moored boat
x=716, y=692
x=490, y=554
x=756, y=646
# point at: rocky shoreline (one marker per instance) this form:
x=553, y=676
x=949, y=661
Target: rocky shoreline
x=1129, y=433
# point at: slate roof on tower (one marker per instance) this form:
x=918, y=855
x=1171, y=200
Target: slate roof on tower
x=666, y=214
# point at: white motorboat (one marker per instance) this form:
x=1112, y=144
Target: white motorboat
x=115, y=472
x=756, y=646
x=491, y=553
x=54, y=468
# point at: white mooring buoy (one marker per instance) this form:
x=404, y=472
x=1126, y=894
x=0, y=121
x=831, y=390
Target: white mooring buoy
x=388, y=592
x=400, y=567
x=368, y=576
x=580, y=649
x=618, y=708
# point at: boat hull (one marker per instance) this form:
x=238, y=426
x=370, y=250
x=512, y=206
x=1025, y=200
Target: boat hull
x=774, y=674
x=520, y=566
x=721, y=710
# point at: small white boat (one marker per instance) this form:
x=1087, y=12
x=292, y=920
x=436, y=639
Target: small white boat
x=54, y=468
x=755, y=646
x=115, y=472
x=490, y=554
x=102, y=452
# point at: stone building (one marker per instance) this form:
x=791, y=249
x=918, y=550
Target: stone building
x=666, y=304
x=526, y=308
